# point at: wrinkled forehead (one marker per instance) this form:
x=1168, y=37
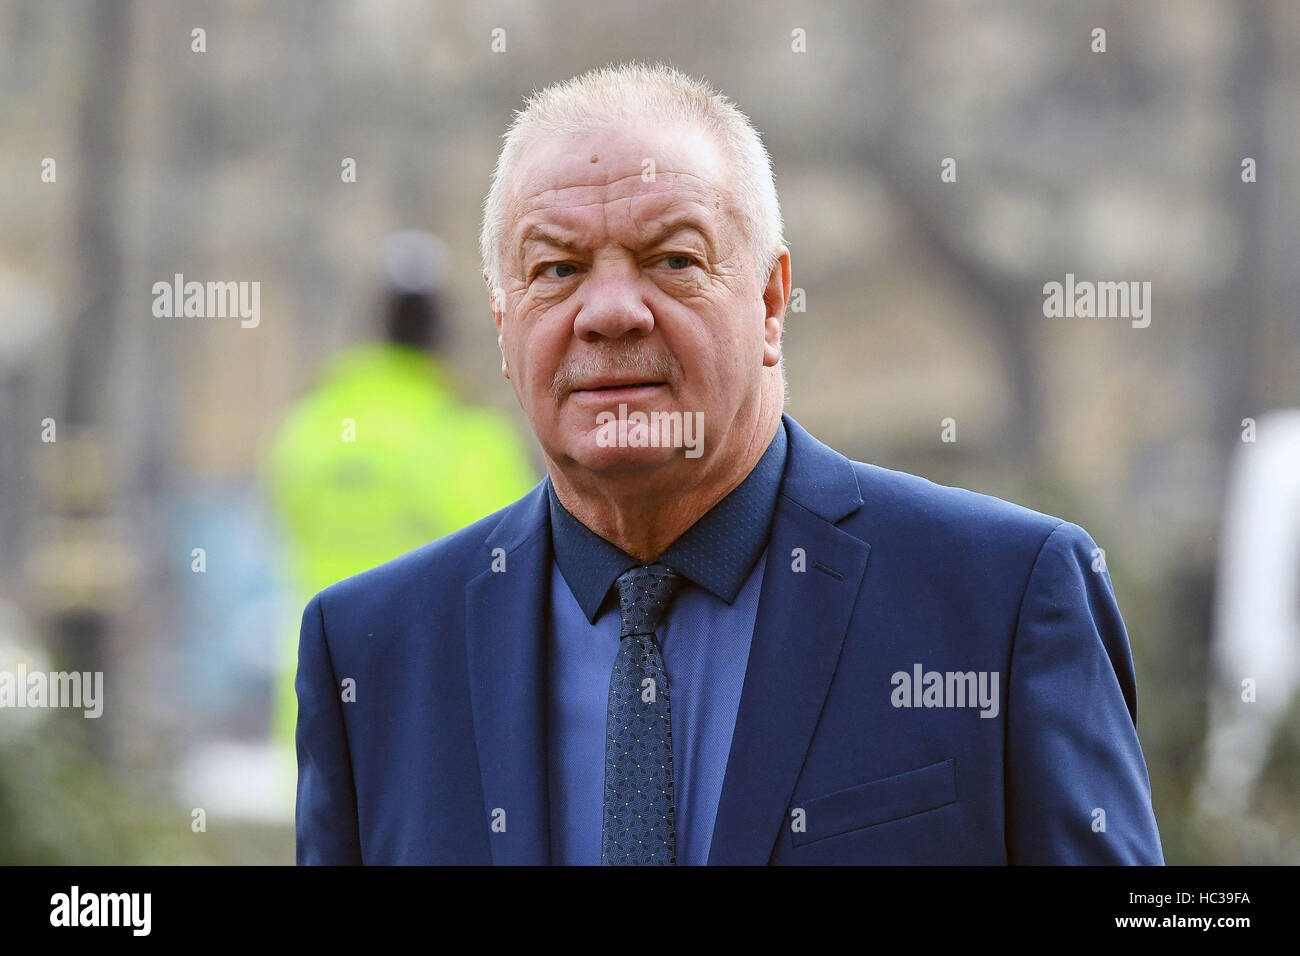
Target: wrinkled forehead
x=639, y=172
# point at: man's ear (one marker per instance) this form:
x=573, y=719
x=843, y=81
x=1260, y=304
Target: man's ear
x=496, y=305
x=494, y=302
x=776, y=297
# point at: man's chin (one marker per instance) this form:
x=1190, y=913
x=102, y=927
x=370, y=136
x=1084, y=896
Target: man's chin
x=596, y=453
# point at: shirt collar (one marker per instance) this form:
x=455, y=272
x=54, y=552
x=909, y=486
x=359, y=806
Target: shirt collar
x=717, y=552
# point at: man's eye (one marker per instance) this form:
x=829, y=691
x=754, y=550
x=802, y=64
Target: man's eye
x=678, y=262
x=546, y=270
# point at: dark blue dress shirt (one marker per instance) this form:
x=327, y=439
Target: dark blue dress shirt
x=704, y=638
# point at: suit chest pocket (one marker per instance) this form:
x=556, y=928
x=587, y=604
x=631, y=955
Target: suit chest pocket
x=878, y=801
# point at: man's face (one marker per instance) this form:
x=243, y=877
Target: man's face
x=626, y=283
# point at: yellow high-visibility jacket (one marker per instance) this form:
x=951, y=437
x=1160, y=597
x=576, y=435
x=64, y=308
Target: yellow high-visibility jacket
x=378, y=459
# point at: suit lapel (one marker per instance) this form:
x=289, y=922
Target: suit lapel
x=506, y=625
x=802, y=619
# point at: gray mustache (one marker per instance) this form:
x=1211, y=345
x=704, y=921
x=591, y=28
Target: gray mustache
x=627, y=362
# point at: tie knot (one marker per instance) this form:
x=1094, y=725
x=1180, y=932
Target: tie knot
x=644, y=593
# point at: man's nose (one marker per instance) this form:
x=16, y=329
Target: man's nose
x=613, y=304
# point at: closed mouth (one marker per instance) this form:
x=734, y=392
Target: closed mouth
x=606, y=388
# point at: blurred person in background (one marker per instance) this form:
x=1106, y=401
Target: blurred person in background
x=1257, y=619
x=382, y=455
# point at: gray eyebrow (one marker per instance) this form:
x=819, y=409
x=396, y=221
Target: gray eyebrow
x=540, y=233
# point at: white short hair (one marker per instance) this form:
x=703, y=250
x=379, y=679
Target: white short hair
x=633, y=92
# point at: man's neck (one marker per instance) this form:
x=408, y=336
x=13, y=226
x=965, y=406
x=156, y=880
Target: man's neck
x=644, y=517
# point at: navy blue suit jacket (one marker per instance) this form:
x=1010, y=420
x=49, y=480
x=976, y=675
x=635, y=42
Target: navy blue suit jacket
x=422, y=691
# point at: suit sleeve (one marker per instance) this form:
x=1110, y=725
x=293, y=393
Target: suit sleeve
x=326, y=811
x=1077, y=790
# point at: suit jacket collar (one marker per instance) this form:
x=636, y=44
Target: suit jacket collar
x=818, y=477
x=506, y=624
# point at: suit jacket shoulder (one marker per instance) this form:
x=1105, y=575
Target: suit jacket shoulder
x=898, y=503
x=429, y=581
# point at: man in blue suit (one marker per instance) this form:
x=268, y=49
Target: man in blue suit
x=706, y=637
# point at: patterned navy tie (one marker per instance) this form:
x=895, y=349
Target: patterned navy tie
x=639, y=827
